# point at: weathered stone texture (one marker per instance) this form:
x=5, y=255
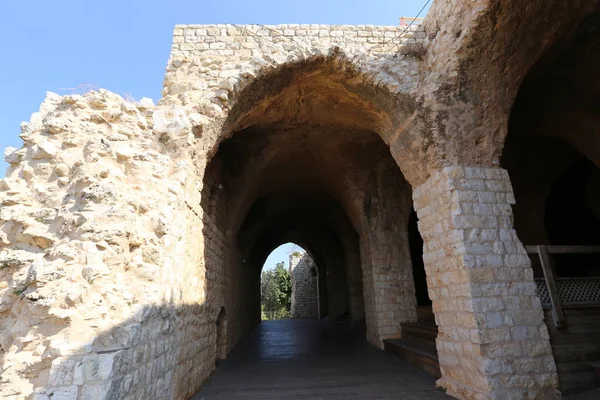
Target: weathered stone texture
x=213, y=68
x=228, y=55
x=303, y=274
x=125, y=230
x=88, y=256
x=492, y=338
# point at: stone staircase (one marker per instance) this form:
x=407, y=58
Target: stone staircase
x=417, y=345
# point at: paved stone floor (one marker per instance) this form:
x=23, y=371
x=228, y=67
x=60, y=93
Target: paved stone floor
x=309, y=359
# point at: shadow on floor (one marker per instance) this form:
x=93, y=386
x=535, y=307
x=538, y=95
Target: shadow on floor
x=310, y=359
x=589, y=394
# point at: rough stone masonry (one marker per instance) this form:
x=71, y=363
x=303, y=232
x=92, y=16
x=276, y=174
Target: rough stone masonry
x=303, y=274
x=128, y=228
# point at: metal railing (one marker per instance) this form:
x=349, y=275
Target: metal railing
x=557, y=293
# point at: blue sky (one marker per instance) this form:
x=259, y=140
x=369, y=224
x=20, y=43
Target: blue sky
x=281, y=253
x=123, y=45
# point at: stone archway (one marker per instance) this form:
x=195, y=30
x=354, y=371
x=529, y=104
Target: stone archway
x=483, y=52
x=164, y=212
x=305, y=161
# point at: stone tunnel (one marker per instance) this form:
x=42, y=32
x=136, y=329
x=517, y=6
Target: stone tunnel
x=444, y=178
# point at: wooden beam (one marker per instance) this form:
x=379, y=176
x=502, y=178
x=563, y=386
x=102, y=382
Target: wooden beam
x=557, y=311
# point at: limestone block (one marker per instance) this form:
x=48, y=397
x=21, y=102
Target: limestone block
x=171, y=120
x=12, y=155
x=44, y=149
x=41, y=271
x=303, y=275
x=60, y=393
x=61, y=170
x=56, y=125
x=98, y=391
x=61, y=373
x=145, y=103
x=498, y=299
x=96, y=367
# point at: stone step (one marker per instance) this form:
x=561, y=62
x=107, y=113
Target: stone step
x=420, y=354
x=421, y=331
x=425, y=314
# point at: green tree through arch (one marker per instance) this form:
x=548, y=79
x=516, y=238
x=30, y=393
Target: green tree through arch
x=275, y=292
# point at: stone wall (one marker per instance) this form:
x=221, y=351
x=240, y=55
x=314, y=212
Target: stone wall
x=492, y=339
x=229, y=52
x=221, y=72
x=90, y=303
x=303, y=273
x=225, y=73
x=117, y=253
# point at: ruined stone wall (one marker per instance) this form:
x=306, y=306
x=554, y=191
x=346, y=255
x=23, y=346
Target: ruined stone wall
x=303, y=273
x=94, y=288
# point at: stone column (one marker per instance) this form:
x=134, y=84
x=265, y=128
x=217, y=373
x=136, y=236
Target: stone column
x=492, y=342
x=389, y=286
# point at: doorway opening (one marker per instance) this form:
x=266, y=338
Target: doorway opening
x=302, y=162
x=552, y=154
x=221, y=343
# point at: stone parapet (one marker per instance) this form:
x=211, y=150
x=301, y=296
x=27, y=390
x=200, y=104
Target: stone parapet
x=223, y=39
x=219, y=59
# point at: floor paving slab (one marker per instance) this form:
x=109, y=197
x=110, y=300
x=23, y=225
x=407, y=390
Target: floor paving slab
x=311, y=359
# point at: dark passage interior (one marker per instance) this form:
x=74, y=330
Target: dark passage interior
x=310, y=359
x=306, y=164
x=552, y=153
x=416, y=252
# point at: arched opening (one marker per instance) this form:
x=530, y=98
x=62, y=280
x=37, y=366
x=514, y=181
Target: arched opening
x=289, y=286
x=221, y=343
x=305, y=161
x=552, y=153
x=276, y=284
x=416, y=256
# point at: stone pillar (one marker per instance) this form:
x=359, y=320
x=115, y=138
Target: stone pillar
x=492, y=342
x=389, y=286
